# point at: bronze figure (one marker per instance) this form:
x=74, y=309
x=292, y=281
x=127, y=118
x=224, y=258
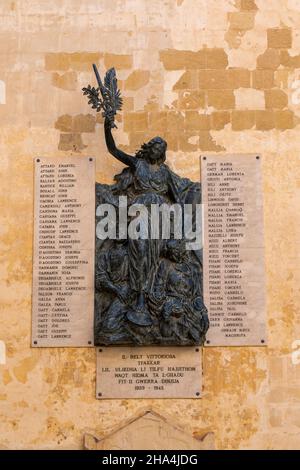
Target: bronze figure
x=148, y=290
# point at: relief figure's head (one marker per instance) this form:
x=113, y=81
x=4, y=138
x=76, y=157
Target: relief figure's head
x=154, y=151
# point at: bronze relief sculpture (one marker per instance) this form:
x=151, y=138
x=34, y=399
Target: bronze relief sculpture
x=148, y=288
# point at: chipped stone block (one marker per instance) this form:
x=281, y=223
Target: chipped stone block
x=189, y=80
x=241, y=20
x=207, y=143
x=216, y=58
x=213, y=80
x=291, y=61
x=175, y=121
x=284, y=119
x=158, y=121
x=220, y=119
x=137, y=79
x=270, y=59
x=262, y=79
x=173, y=59
x=191, y=99
x=149, y=431
x=71, y=142
x=195, y=120
x=63, y=61
x=221, y=99
x=276, y=99
x=66, y=81
x=279, y=38
x=264, y=120
x=248, y=5
x=76, y=124
x=238, y=78
x=119, y=61
x=135, y=121
x=243, y=120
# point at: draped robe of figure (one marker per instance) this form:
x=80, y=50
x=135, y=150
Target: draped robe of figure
x=147, y=186
x=146, y=183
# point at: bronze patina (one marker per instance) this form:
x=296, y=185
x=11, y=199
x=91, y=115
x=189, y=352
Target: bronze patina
x=147, y=290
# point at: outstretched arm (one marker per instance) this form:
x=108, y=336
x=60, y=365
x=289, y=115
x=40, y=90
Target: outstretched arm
x=111, y=146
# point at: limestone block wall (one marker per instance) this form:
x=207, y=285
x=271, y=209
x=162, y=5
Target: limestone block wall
x=209, y=76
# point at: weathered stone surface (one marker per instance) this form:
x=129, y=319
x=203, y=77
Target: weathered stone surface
x=137, y=79
x=149, y=431
x=219, y=119
x=71, y=142
x=248, y=5
x=66, y=81
x=241, y=20
x=262, y=79
x=284, y=119
x=214, y=58
x=288, y=60
x=119, y=61
x=264, y=120
x=276, y=99
x=270, y=59
x=76, y=60
x=221, y=99
x=79, y=123
x=280, y=38
x=192, y=99
x=242, y=120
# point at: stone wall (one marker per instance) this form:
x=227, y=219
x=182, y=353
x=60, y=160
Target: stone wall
x=219, y=76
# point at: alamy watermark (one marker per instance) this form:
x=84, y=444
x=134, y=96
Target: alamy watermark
x=156, y=221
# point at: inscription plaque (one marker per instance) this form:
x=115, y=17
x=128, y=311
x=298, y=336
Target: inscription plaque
x=64, y=248
x=148, y=372
x=234, y=276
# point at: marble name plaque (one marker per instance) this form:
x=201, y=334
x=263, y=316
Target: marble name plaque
x=63, y=252
x=148, y=372
x=233, y=254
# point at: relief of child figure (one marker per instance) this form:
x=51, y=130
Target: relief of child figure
x=112, y=279
x=177, y=292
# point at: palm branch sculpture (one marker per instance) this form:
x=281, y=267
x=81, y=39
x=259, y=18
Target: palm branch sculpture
x=106, y=97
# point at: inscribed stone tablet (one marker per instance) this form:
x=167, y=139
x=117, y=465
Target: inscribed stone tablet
x=64, y=246
x=234, y=275
x=149, y=372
